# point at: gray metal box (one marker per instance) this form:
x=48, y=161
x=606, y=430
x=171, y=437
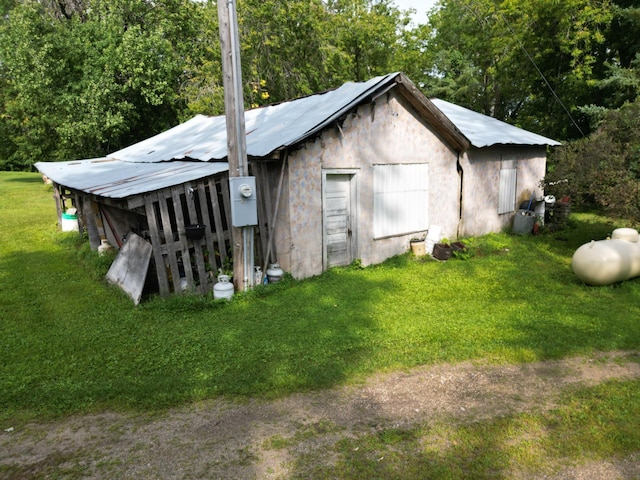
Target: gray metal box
x=244, y=202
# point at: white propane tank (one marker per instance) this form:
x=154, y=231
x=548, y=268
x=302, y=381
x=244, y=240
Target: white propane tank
x=605, y=262
x=104, y=247
x=223, y=289
x=628, y=234
x=274, y=273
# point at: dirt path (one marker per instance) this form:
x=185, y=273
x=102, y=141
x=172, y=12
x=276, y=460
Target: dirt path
x=222, y=439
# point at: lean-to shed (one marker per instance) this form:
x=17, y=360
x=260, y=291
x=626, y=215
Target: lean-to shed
x=348, y=174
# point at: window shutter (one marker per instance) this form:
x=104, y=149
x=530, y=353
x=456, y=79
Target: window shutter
x=507, y=192
x=400, y=199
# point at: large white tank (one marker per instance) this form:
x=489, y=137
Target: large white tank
x=604, y=262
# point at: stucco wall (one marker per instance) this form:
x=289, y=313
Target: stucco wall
x=387, y=132
x=481, y=179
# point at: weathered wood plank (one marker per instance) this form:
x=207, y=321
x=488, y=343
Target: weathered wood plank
x=264, y=207
x=202, y=282
x=129, y=269
x=169, y=242
x=156, y=242
x=206, y=219
x=217, y=216
x=182, y=243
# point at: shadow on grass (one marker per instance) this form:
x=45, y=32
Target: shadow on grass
x=588, y=423
x=24, y=178
x=73, y=344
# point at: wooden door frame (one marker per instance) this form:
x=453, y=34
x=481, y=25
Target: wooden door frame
x=353, y=207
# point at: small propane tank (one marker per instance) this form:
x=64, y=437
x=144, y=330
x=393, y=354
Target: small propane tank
x=274, y=273
x=258, y=276
x=224, y=288
x=104, y=247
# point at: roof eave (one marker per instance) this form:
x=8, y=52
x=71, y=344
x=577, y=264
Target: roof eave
x=425, y=108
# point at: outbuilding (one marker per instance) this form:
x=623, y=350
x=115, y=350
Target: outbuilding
x=352, y=173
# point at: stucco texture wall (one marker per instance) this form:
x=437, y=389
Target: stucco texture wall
x=385, y=132
x=481, y=180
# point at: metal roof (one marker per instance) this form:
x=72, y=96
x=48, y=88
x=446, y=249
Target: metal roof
x=190, y=150
x=484, y=131
x=113, y=178
x=267, y=129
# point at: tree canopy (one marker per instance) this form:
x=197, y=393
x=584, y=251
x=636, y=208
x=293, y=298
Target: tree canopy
x=81, y=78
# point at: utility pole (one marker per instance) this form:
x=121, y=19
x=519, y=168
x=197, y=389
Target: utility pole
x=241, y=237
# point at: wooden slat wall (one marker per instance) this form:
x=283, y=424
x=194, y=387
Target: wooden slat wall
x=184, y=264
x=264, y=207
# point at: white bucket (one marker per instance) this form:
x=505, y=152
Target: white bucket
x=69, y=223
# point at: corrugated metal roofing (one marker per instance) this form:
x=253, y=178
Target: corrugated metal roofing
x=157, y=162
x=113, y=178
x=267, y=129
x=484, y=131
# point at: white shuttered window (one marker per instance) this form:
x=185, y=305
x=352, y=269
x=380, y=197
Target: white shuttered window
x=400, y=199
x=507, y=191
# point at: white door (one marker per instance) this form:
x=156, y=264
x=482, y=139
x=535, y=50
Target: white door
x=338, y=219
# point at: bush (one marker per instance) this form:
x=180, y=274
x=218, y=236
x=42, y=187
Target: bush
x=602, y=170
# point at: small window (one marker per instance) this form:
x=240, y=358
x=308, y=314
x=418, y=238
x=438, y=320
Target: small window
x=507, y=189
x=400, y=199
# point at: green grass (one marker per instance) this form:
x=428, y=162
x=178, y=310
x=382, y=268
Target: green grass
x=71, y=343
x=589, y=424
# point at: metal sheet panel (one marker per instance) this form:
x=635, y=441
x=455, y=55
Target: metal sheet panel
x=400, y=199
x=507, y=190
x=112, y=178
x=484, y=131
x=268, y=128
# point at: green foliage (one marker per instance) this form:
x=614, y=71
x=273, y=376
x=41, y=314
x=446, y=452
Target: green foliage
x=296, y=48
x=82, y=84
x=492, y=56
x=603, y=170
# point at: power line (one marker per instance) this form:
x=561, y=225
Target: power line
x=553, y=92
x=535, y=65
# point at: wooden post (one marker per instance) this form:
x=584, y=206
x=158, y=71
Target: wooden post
x=236, y=140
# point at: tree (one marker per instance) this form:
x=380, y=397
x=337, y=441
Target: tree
x=368, y=32
x=530, y=63
x=292, y=48
x=90, y=77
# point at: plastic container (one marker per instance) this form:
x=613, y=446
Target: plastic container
x=69, y=223
x=523, y=222
x=418, y=248
x=104, y=247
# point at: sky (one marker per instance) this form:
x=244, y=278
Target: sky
x=421, y=6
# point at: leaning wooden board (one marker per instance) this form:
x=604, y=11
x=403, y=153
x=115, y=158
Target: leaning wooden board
x=129, y=269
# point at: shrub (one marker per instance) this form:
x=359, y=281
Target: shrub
x=602, y=170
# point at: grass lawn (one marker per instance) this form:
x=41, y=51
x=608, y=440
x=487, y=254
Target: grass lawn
x=70, y=343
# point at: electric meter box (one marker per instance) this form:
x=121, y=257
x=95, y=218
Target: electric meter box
x=244, y=202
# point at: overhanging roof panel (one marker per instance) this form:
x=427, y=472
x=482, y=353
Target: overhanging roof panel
x=484, y=131
x=267, y=129
x=113, y=178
